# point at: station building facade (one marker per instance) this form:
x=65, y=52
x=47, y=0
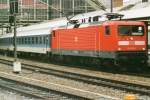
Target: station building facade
x=44, y=9
x=116, y=3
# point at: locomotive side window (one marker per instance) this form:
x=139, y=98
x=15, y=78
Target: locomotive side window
x=107, y=30
x=131, y=30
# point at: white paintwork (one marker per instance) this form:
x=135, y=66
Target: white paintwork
x=84, y=25
x=139, y=42
x=41, y=50
x=131, y=42
x=34, y=49
x=123, y=42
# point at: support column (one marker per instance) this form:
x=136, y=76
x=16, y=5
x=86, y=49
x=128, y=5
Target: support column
x=73, y=7
x=34, y=9
x=60, y=7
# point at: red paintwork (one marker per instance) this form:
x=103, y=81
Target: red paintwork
x=76, y=39
x=93, y=38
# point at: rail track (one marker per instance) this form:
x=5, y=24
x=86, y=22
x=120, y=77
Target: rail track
x=125, y=86
x=35, y=91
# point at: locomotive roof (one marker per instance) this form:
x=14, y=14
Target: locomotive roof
x=122, y=22
x=47, y=30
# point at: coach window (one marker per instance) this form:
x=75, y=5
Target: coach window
x=22, y=40
x=107, y=30
x=36, y=40
x=5, y=41
x=32, y=40
x=39, y=40
x=25, y=40
x=11, y=40
x=28, y=40
x=19, y=40
x=44, y=39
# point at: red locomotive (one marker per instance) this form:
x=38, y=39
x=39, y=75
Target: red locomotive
x=118, y=41
x=90, y=41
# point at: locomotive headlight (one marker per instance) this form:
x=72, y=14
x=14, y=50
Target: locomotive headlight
x=119, y=49
x=143, y=48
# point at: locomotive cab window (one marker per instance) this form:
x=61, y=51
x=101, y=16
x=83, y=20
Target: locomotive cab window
x=127, y=30
x=107, y=30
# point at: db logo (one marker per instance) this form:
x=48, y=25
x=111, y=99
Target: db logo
x=75, y=39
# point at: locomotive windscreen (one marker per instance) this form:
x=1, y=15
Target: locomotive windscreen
x=128, y=30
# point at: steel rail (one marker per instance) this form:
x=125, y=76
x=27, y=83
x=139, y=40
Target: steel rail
x=35, y=91
x=129, y=87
